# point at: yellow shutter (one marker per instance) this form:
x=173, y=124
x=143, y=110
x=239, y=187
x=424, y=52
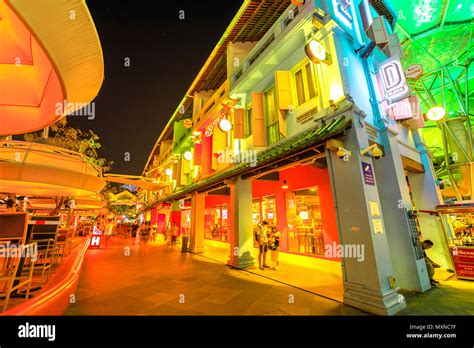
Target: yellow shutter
x=239, y=123
x=184, y=172
x=282, y=123
x=258, y=120
x=217, y=142
x=283, y=88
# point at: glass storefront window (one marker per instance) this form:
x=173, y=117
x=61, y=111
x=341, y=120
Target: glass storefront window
x=305, y=234
x=216, y=224
x=269, y=209
x=256, y=211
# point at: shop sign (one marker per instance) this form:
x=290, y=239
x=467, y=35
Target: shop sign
x=463, y=261
x=210, y=128
x=378, y=226
x=405, y=109
x=368, y=172
x=95, y=238
x=414, y=71
x=391, y=79
x=342, y=10
x=374, y=208
x=307, y=116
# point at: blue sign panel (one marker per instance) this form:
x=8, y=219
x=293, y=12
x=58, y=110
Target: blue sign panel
x=368, y=174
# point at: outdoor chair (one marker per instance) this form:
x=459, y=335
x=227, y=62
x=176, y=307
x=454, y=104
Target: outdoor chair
x=13, y=227
x=46, y=237
x=64, y=242
x=10, y=259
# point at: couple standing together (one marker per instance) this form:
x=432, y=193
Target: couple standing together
x=267, y=238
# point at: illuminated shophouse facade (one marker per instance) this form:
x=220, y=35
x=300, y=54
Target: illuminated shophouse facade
x=304, y=120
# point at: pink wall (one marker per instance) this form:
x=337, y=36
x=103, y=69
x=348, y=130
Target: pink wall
x=301, y=177
x=161, y=223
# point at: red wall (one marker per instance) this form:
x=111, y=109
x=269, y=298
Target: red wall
x=212, y=201
x=206, y=155
x=301, y=177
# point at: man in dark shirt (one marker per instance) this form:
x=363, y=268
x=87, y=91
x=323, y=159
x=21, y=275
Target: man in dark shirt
x=430, y=264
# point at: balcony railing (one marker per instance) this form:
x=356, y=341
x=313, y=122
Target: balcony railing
x=36, y=153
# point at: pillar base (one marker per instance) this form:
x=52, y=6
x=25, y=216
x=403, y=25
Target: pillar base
x=198, y=249
x=245, y=260
x=373, y=301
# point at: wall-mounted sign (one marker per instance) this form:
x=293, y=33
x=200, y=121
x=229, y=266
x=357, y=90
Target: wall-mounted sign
x=343, y=11
x=463, y=262
x=378, y=226
x=392, y=80
x=368, y=173
x=374, y=208
x=210, y=128
x=307, y=116
x=404, y=109
x=95, y=238
x=414, y=71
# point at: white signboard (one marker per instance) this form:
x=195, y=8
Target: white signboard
x=392, y=80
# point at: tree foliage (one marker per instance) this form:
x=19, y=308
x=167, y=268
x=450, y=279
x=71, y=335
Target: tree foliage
x=74, y=139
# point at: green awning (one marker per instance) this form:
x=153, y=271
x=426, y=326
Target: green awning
x=295, y=144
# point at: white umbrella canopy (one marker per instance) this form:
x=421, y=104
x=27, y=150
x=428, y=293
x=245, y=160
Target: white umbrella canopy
x=82, y=203
x=138, y=181
x=33, y=169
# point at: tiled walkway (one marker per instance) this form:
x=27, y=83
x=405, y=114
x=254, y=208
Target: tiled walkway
x=153, y=280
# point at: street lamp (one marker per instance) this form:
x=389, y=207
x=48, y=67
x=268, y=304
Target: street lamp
x=225, y=125
x=435, y=114
x=316, y=52
x=188, y=155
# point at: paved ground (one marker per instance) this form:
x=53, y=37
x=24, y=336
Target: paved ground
x=153, y=280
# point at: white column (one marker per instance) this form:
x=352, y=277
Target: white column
x=410, y=272
x=366, y=279
x=240, y=221
x=427, y=196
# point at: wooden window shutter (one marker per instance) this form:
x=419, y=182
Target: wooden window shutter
x=217, y=141
x=206, y=155
x=197, y=154
x=239, y=123
x=282, y=123
x=283, y=88
x=258, y=120
x=185, y=166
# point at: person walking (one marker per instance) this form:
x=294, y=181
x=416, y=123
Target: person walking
x=174, y=234
x=168, y=233
x=274, y=247
x=145, y=233
x=134, y=230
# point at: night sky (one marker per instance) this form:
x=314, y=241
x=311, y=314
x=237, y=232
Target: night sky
x=166, y=53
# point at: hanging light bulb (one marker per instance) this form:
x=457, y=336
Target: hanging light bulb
x=285, y=185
